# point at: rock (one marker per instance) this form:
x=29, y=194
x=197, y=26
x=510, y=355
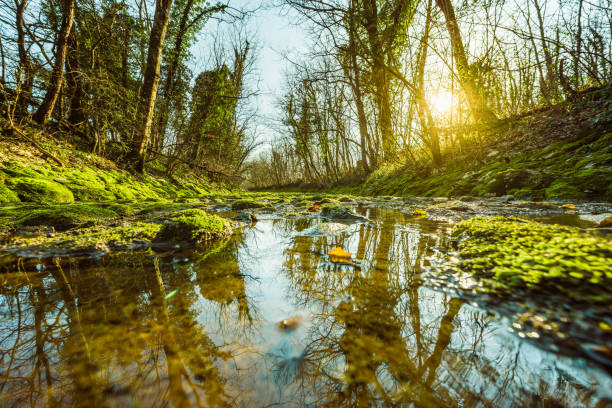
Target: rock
x=190, y=227
x=598, y=219
x=324, y=228
x=506, y=198
x=290, y=324
x=245, y=204
x=605, y=223
x=245, y=217
x=341, y=213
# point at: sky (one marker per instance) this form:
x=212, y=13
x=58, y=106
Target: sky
x=275, y=35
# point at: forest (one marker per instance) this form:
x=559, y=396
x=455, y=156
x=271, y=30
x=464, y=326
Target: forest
x=306, y=203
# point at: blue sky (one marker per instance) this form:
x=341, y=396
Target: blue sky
x=275, y=35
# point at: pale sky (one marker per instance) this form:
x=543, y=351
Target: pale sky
x=275, y=35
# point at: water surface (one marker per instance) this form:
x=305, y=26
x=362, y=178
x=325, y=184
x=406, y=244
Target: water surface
x=204, y=328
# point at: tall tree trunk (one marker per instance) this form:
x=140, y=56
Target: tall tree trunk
x=73, y=79
x=381, y=80
x=148, y=93
x=475, y=99
x=430, y=133
x=168, y=86
x=355, y=81
x=26, y=72
x=45, y=109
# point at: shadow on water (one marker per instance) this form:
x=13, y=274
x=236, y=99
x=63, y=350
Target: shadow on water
x=201, y=328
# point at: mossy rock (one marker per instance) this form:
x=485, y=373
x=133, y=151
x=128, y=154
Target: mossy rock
x=89, y=242
x=40, y=190
x=337, y=212
x=246, y=204
x=512, y=253
x=67, y=216
x=190, y=227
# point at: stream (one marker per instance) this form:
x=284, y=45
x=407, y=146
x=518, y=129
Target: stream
x=264, y=318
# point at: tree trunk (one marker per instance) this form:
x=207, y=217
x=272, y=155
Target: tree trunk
x=148, y=93
x=355, y=81
x=430, y=133
x=381, y=80
x=26, y=72
x=466, y=76
x=45, y=109
x=73, y=80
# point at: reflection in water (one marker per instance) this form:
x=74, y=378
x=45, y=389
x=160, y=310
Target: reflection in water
x=200, y=328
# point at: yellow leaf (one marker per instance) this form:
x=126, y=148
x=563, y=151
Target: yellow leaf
x=418, y=213
x=569, y=206
x=338, y=253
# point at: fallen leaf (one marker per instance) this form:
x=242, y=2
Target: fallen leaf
x=314, y=208
x=338, y=253
x=569, y=206
x=418, y=213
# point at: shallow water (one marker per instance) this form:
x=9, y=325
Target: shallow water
x=205, y=328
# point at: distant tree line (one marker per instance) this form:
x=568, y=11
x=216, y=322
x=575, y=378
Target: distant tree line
x=394, y=82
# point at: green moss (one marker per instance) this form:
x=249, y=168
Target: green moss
x=7, y=195
x=64, y=217
x=512, y=253
x=192, y=226
x=337, y=212
x=40, y=190
x=303, y=203
x=562, y=189
x=91, y=240
x=247, y=203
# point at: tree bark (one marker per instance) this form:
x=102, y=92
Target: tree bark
x=73, y=80
x=356, y=87
x=148, y=93
x=466, y=76
x=430, y=133
x=45, y=109
x=25, y=65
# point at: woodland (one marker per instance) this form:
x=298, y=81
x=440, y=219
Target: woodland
x=407, y=204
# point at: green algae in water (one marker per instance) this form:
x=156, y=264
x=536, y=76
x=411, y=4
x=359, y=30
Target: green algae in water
x=517, y=253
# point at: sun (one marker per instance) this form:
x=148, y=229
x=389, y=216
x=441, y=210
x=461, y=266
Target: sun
x=441, y=102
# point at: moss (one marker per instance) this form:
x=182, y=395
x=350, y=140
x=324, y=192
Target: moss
x=303, y=203
x=162, y=207
x=191, y=227
x=337, y=212
x=64, y=217
x=7, y=195
x=40, y=190
x=244, y=204
x=90, y=241
x=511, y=253
x=562, y=189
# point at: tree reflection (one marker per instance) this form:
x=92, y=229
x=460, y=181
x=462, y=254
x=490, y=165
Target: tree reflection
x=90, y=332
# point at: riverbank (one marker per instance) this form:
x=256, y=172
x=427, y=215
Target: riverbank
x=559, y=152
